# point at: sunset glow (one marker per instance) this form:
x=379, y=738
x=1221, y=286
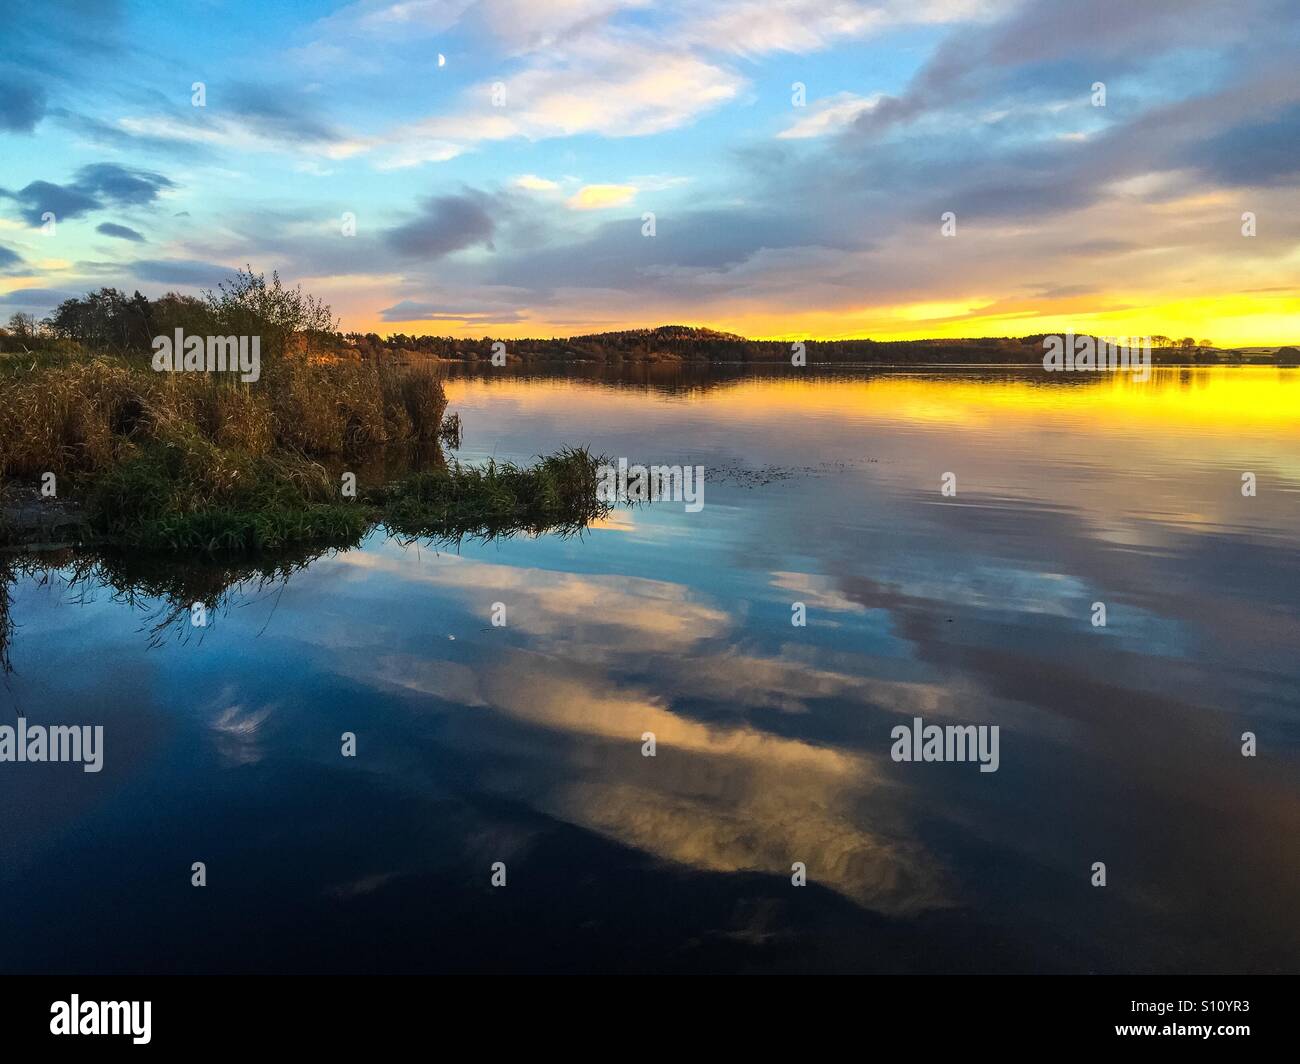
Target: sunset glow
x=797, y=165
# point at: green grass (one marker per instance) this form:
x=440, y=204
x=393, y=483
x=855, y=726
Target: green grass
x=501, y=498
x=188, y=462
x=186, y=524
x=194, y=496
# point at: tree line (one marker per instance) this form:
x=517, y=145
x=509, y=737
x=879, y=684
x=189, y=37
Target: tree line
x=247, y=304
x=250, y=304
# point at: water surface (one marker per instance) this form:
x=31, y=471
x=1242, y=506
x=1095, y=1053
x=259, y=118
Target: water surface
x=523, y=744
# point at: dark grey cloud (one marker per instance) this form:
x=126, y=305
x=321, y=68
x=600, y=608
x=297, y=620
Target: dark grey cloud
x=121, y=232
x=1018, y=169
x=43, y=37
x=122, y=185
x=92, y=188
x=1017, y=194
x=1253, y=153
x=22, y=105
x=64, y=201
x=859, y=191
x=1050, y=38
x=278, y=111
x=617, y=255
x=9, y=259
x=180, y=271
x=445, y=224
x=42, y=298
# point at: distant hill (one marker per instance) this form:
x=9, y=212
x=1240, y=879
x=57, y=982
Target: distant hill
x=662, y=332
x=692, y=344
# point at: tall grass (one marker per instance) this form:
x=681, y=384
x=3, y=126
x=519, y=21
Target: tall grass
x=85, y=417
x=195, y=462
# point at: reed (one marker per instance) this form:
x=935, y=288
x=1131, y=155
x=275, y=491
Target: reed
x=194, y=462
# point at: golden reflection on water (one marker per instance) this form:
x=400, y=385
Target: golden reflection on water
x=1130, y=464
x=720, y=797
x=1219, y=398
x=773, y=742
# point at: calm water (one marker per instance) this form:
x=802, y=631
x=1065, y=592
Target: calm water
x=523, y=744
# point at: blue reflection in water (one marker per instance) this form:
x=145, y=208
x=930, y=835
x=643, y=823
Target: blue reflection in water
x=523, y=743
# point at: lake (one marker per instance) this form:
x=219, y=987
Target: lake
x=523, y=744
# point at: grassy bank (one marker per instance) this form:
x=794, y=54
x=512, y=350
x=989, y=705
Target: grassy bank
x=165, y=461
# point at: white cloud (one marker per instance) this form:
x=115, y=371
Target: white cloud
x=657, y=182
x=828, y=115
x=534, y=183
x=752, y=27
x=590, y=71
x=616, y=86
x=519, y=26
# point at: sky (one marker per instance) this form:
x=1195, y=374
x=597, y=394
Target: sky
x=775, y=168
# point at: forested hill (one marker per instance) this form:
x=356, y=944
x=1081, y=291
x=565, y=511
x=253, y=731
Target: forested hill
x=672, y=343
x=111, y=320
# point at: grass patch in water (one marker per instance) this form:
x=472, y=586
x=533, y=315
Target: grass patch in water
x=502, y=498
x=197, y=496
x=169, y=462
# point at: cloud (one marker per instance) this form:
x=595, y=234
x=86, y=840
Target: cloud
x=599, y=197
x=445, y=224
x=972, y=65
x=616, y=255
x=42, y=298
x=22, y=105
x=393, y=19
x=119, y=138
x=9, y=260
x=121, y=232
x=1253, y=153
x=534, y=183
x=120, y=184
x=829, y=115
x=93, y=187
x=40, y=197
x=278, y=111
x=755, y=27
x=180, y=271
x=618, y=88
x=615, y=86
x=243, y=116
x=53, y=42
x=593, y=66
x=830, y=210
x=517, y=26
x=413, y=310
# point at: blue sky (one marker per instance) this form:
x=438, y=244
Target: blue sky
x=523, y=213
